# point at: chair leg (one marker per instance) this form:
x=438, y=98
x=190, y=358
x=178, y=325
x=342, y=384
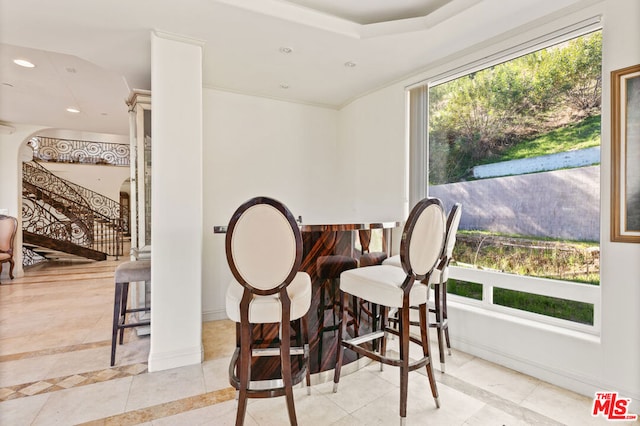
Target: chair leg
x=333, y=289
x=285, y=354
x=374, y=324
x=11, y=265
x=404, y=358
x=439, y=322
x=424, y=333
x=339, y=348
x=445, y=317
x=297, y=324
x=123, y=307
x=383, y=327
x=356, y=322
x=244, y=372
x=321, y=308
x=116, y=320
x=305, y=343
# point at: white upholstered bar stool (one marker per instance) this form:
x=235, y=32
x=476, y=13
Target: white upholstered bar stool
x=438, y=282
x=264, y=251
x=395, y=288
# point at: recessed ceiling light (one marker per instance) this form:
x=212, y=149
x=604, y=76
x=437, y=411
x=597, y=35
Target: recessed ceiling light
x=284, y=86
x=350, y=64
x=23, y=63
x=73, y=110
x=286, y=50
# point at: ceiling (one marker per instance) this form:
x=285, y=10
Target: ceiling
x=90, y=54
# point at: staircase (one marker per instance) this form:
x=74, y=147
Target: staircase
x=59, y=217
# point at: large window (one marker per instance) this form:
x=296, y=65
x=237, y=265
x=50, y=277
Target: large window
x=518, y=145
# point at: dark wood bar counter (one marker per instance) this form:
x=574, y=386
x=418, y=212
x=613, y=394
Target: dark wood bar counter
x=322, y=240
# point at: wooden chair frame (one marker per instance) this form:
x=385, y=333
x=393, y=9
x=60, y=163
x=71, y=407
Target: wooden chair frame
x=240, y=365
x=404, y=321
x=440, y=288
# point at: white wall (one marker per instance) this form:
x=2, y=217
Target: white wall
x=105, y=180
x=573, y=360
x=620, y=266
x=256, y=146
x=372, y=151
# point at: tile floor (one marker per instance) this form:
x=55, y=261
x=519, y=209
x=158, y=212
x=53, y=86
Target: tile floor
x=55, y=328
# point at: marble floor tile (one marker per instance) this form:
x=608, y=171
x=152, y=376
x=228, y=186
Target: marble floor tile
x=22, y=411
x=490, y=416
x=223, y=414
x=77, y=405
x=170, y=409
x=26, y=370
x=509, y=384
x=348, y=420
x=164, y=386
x=216, y=373
x=311, y=409
x=350, y=395
x=81, y=361
x=218, y=339
x=455, y=407
x=135, y=349
x=13, y=345
x=562, y=405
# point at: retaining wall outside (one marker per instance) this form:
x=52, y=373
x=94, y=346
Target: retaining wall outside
x=557, y=204
x=577, y=158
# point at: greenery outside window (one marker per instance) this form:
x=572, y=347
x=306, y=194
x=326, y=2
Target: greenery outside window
x=517, y=143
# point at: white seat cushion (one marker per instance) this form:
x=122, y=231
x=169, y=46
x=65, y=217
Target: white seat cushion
x=435, y=275
x=380, y=284
x=268, y=309
x=393, y=261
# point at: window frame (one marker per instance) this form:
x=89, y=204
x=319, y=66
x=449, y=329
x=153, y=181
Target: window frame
x=417, y=95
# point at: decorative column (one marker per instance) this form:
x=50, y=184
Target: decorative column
x=176, y=197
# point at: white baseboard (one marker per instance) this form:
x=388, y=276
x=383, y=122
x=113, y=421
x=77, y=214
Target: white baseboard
x=174, y=359
x=214, y=315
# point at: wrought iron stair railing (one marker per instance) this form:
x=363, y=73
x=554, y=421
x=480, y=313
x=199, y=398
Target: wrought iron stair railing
x=79, y=151
x=55, y=213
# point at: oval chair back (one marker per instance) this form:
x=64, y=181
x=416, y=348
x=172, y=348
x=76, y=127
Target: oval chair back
x=453, y=222
x=423, y=237
x=263, y=246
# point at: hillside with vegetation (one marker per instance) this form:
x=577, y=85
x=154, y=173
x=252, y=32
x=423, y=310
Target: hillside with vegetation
x=579, y=135
x=544, y=102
